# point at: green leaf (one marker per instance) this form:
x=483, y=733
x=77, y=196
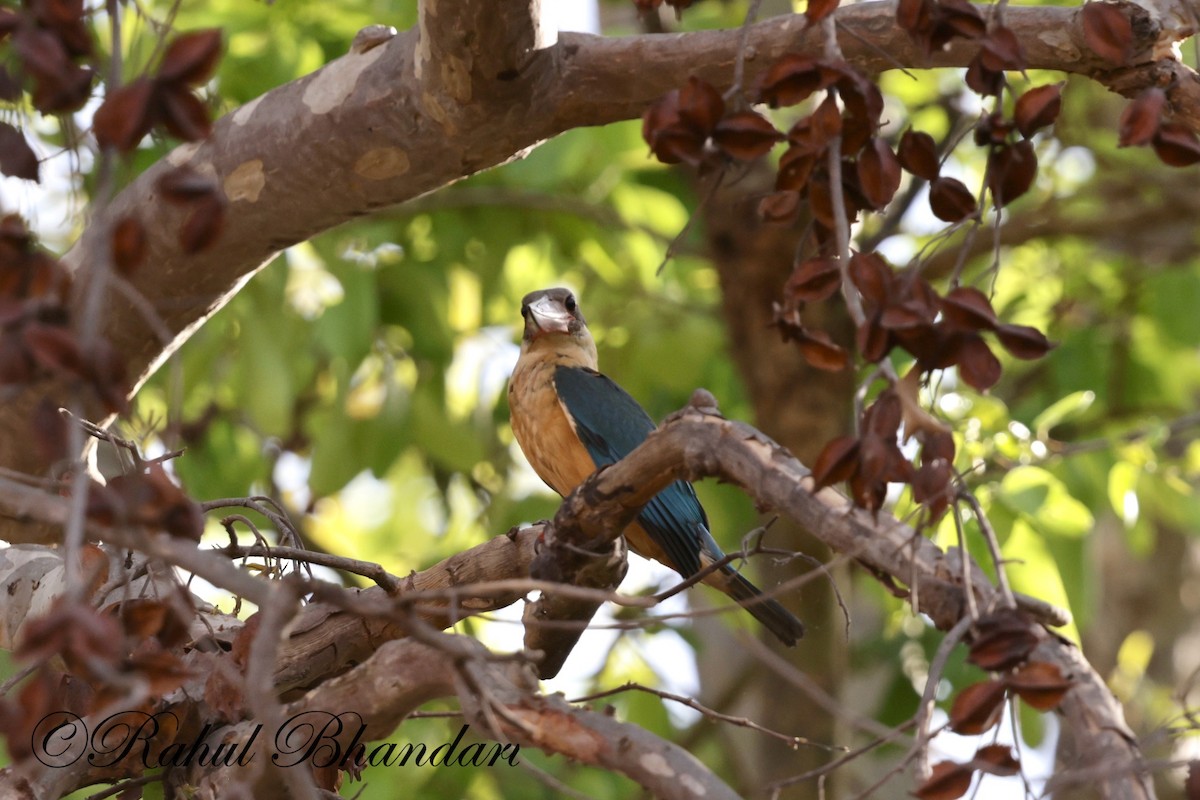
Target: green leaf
x=334, y=460
x=265, y=384
x=1043, y=501
x=227, y=462
x=1033, y=724
x=347, y=329
x=1069, y=407
x=1122, y=491
x=1037, y=573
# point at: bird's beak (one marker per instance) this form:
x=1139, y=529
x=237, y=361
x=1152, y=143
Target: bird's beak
x=550, y=316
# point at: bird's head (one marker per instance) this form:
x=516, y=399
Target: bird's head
x=553, y=316
x=548, y=312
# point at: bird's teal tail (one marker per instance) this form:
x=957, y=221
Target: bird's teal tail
x=774, y=617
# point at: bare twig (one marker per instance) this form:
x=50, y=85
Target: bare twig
x=741, y=722
x=989, y=536
x=937, y=667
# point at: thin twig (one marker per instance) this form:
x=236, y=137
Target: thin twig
x=739, y=64
x=825, y=769
x=673, y=247
x=742, y=722
x=368, y=569
x=925, y=710
x=967, y=564
x=126, y=785
x=989, y=536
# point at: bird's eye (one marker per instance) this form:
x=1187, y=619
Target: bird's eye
x=570, y=304
x=524, y=312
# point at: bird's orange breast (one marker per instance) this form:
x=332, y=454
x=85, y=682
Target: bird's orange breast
x=543, y=429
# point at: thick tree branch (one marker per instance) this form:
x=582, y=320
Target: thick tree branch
x=500, y=700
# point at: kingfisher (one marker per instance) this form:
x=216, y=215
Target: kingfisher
x=571, y=420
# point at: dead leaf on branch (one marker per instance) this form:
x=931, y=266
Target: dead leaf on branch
x=17, y=158
x=1002, y=640
x=781, y=207
x=950, y=200
x=959, y=18
x=932, y=25
x=1011, y=171
x=817, y=348
x=131, y=111
x=795, y=168
x=981, y=80
x=183, y=114
x=933, y=484
x=811, y=135
x=878, y=173
x=1108, y=32
x=791, y=80
x=88, y=642
x=148, y=498
x=1141, y=118
x=977, y=364
x=66, y=19
x=143, y=618
x=1037, y=108
x=918, y=154
x=864, y=108
x=821, y=352
x=947, y=781
x=700, y=105
x=966, y=308
x=996, y=759
x=125, y=116
x=745, y=135
x=977, y=707
x=872, y=276
x=1001, y=50
x=871, y=461
x=994, y=129
x=680, y=124
x=1023, y=341
x=191, y=58
x=1040, y=684
x=837, y=461
x=1176, y=145
x=813, y=280
x=59, y=84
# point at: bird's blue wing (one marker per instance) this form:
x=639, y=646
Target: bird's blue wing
x=611, y=425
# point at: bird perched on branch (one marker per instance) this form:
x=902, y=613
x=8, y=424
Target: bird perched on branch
x=570, y=420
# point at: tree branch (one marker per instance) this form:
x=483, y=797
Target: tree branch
x=403, y=675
